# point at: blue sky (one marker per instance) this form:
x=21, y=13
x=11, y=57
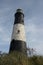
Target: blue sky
x=33, y=10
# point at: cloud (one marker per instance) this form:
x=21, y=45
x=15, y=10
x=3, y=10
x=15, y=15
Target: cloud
x=4, y=40
x=4, y=35
x=34, y=35
x=1, y=30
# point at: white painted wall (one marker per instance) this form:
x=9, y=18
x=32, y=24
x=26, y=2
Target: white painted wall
x=21, y=34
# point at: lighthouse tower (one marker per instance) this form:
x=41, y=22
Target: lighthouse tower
x=18, y=39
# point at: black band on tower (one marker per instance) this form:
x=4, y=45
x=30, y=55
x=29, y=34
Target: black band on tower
x=19, y=17
x=18, y=45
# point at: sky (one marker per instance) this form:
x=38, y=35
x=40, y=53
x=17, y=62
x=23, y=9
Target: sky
x=33, y=12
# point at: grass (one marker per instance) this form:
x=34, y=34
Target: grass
x=18, y=58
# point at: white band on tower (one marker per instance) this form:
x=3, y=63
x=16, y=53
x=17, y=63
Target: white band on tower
x=18, y=32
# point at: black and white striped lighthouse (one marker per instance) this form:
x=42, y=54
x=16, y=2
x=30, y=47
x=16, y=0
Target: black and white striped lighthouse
x=18, y=39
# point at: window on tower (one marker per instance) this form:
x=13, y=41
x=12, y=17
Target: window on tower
x=18, y=31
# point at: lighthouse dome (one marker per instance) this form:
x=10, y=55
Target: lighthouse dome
x=19, y=10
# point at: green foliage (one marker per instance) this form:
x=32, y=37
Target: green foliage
x=17, y=58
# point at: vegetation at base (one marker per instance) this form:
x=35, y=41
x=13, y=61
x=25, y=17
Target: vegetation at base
x=17, y=58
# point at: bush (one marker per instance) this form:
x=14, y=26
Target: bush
x=18, y=58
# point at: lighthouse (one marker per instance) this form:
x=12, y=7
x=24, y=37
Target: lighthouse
x=18, y=39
